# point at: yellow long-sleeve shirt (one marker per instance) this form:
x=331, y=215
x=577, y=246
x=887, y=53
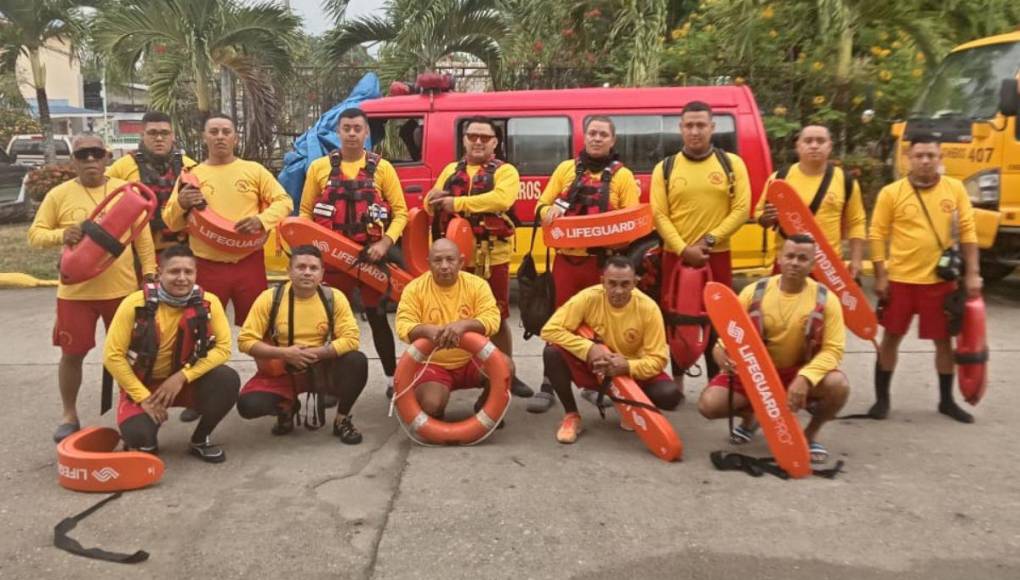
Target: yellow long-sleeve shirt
x=635, y=331
x=310, y=322
x=899, y=222
x=624, y=191
x=699, y=202
x=118, y=341
x=506, y=185
x=425, y=302
x=786, y=316
x=235, y=191
x=71, y=203
x=387, y=186
x=126, y=168
x=834, y=212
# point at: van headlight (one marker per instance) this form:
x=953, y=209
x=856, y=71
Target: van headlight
x=983, y=187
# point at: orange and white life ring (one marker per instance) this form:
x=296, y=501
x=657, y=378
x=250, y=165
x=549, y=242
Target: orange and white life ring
x=86, y=461
x=600, y=230
x=426, y=430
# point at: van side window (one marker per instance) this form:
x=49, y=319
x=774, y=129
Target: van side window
x=644, y=140
x=534, y=145
x=398, y=139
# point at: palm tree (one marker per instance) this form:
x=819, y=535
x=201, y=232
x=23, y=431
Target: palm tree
x=416, y=36
x=184, y=44
x=26, y=27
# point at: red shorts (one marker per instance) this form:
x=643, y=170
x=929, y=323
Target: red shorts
x=785, y=375
x=718, y=262
x=499, y=283
x=75, y=329
x=571, y=274
x=286, y=386
x=127, y=408
x=925, y=300
x=582, y=376
x=240, y=283
x=468, y=376
x=370, y=297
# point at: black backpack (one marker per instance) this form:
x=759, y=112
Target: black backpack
x=537, y=298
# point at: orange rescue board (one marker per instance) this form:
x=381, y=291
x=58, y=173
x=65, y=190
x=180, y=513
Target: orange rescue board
x=460, y=232
x=612, y=228
x=414, y=242
x=652, y=427
x=343, y=254
x=795, y=217
x=216, y=230
x=764, y=388
x=86, y=461
x=972, y=352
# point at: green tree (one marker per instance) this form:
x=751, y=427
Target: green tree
x=26, y=26
x=187, y=44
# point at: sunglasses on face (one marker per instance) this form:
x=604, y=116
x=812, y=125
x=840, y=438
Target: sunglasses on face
x=95, y=153
x=479, y=137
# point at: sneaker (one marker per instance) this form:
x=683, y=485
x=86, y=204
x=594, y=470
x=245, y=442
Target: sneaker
x=569, y=429
x=208, y=452
x=188, y=415
x=65, y=430
x=520, y=389
x=346, y=431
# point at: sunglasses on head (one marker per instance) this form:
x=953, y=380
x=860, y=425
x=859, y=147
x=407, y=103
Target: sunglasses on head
x=479, y=137
x=87, y=153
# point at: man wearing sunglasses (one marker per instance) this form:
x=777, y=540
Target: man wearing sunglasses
x=483, y=189
x=79, y=306
x=157, y=165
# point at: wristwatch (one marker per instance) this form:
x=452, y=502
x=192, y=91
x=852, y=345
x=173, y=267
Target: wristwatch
x=710, y=240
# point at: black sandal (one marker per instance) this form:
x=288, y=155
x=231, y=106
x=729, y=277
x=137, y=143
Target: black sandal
x=346, y=431
x=285, y=419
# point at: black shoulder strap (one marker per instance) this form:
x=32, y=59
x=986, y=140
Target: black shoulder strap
x=177, y=162
x=724, y=161
x=848, y=188
x=326, y=295
x=371, y=163
x=823, y=188
x=274, y=310
x=927, y=215
x=667, y=170
x=783, y=172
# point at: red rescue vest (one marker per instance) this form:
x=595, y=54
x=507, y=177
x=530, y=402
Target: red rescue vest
x=814, y=331
x=588, y=194
x=484, y=225
x=193, y=338
x=162, y=185
x=351, y=206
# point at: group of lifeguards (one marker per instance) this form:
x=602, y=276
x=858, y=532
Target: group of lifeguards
x=168, y=343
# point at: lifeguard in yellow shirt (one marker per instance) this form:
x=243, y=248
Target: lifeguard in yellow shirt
x=311, y=332
x=157, y=165
x=242, y=191
x=913, y=222
x=441, y=305
x=358, y=194
x=802, y=326
x=833, y=195
x=80, y=306
x=631, y=342
x=167, y=347
x=483, y=189
x=703, y=200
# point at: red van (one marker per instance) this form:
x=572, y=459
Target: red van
x=422, y=133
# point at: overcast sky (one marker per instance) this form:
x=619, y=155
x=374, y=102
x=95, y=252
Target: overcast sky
x=316, y=21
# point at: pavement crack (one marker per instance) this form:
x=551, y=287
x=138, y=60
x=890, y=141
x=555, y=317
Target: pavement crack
x=397, y=482
x=356, y=468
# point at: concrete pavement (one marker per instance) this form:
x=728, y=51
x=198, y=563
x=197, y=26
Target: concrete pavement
x=922, y=497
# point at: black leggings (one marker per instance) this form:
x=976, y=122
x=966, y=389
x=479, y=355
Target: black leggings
x=215, y=394
x=382, y=337
x=662, y=394
x=349, y=373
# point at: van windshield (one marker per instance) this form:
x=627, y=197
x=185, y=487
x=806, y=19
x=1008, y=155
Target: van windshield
x=967, y=83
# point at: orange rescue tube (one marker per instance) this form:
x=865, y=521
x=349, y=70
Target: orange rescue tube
x=683, y=309
x=216, y=230
x=414, y=242
x=86, y=461
x=600, y=230
x=972, y=352
x=652, y=427
x=427, y=430
x=342, y=253
x=459, y=232
x=108, y=233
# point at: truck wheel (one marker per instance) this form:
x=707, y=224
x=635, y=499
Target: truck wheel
x=994, y=271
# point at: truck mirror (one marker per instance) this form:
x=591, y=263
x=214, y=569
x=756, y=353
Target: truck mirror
x=1009, y=98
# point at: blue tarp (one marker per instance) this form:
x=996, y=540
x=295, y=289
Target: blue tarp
x=321, y=138
x=62, y=108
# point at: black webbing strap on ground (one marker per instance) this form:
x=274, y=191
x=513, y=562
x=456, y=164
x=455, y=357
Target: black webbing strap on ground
x=758, y=466
x=68, y=544
x=102, y=237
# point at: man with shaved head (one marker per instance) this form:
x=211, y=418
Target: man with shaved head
x=441, y=305
x=79, y=306
x=831, y=192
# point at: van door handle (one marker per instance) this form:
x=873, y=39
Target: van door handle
x=413, y=189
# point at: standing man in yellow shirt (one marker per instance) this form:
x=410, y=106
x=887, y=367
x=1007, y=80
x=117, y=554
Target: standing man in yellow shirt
x=832, y=194
x=631, y=342
x=801, y=323
x=157, y=165
x=701, y=201
x=441, y=305
x=483, y=189
x=79, y=306
x=311, y=330
x=167, y=347
x=594, y=182
x=358, y=194
x=913, y=223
